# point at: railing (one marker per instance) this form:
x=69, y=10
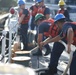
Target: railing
x=12, y=28
x=3, y=16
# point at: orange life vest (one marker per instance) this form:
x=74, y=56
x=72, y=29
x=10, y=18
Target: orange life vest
x=41, y=10
x=53, y=30
x=26, y=18
x=34, y=11
x=61, y=11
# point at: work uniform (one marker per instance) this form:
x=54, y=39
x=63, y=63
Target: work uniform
x=24, y=28
x=63, y=33
x=34, y=9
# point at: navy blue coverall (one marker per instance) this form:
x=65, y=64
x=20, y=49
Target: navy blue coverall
x=23, y=32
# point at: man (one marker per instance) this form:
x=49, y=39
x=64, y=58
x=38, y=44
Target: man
x=34, y=10
x=39, y=18
x=63, y=10
x=43, y=9
x=23, y=21
x=69, y=32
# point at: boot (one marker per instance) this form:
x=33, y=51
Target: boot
x=47, y=52
x=38, y=53
x=49, y=72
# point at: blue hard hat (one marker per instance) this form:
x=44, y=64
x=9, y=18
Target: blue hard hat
x=39, y=1
x=59, y=17
x=21, y=2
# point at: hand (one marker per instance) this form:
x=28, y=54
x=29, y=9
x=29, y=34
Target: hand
x=41, y=45
x=69, y=48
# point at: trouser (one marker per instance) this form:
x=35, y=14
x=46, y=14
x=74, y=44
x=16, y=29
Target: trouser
x=55, y=55
x=73, y=65
x=32, y=23
x=23, y=36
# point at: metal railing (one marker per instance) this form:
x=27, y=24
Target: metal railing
x=3, y=38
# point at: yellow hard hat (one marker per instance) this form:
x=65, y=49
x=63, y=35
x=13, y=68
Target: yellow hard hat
x=61, y=2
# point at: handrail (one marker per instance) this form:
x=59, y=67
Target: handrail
x=3, y=16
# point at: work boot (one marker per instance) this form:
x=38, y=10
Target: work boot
x=49, y=72
x=38, y=53
x=47, y=52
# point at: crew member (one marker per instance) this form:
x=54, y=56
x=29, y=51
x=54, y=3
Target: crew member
x=43, y=9
x=39, y=18
x=34, y=10
x=63, y=10
x=24, y=16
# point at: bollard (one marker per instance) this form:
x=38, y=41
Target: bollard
x=22, y=53
x=22, y=60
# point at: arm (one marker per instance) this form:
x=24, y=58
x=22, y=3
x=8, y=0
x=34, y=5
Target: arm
x=70, y=35
x=50, y=39
x=40, y=36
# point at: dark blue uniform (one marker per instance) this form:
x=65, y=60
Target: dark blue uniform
x=64, y=33
x=34, y=9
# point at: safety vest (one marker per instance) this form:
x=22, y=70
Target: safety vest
x=53, y=30
x=26, y=18
x=41, y=10
x=35, y=10
x=61, y=11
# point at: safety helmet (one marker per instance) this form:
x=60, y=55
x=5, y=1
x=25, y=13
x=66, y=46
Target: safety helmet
x=58, y=17
x=38, y=16
x=61, y=2
x=39, y=1
x=21, y=2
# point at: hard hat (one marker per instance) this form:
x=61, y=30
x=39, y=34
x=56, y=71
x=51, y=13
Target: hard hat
x=39, y=1
x=12, y=10
x=58, y=17
x=61, y=2
x=21, y=2
x=38, y=16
